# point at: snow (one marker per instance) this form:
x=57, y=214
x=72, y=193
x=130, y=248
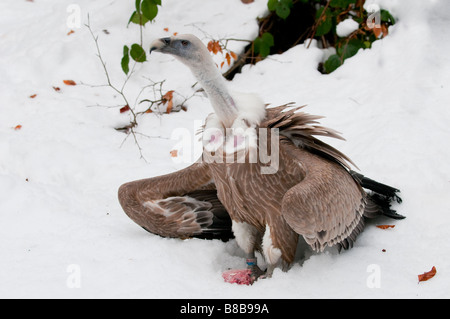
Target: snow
x=346, y=27
x=63, y=233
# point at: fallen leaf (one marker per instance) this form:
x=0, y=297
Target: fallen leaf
x=105, y=31
x=247, y=1
x=69, y=82
x=175, y=33
x=18, y=127
x=33, y=96
x=174, y=153
x=169, y=106
x=57, y=89
x=166, y=29
x=70, y=32
x=124, y=109
x=385, y=226
x=427, y=275
x=167, y=97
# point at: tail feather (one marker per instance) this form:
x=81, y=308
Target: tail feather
x=380, y=198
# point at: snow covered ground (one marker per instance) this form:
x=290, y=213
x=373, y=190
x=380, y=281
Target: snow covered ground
x=63, y=233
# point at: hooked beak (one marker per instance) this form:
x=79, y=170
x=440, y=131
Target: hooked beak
x=160, y=45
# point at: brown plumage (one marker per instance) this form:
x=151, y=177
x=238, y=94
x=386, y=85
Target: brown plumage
x=312, y=193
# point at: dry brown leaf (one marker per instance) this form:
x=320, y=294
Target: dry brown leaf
x=377, y=31
x=125, y=108
x=69, y=82
x=214, y=47
x=169, y=106
x=174, y=153
x=168, y=98
x=247, y=1
x=385, y=30
x=427, y=275
x=228, y=58
x=385, y=226
x=70, y=32
x=33, y=96
x=18, y=127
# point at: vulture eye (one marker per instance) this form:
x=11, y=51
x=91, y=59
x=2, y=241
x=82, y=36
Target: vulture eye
x=184, y=43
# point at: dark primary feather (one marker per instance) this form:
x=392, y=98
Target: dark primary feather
x=216, y=222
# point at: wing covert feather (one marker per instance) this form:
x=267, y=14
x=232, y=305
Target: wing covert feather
x=326, y=207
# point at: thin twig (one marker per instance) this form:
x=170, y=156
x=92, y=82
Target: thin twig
x=133, y=123
x=108, y=79
x=314, y=29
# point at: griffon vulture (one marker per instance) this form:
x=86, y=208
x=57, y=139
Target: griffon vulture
x=310, y=192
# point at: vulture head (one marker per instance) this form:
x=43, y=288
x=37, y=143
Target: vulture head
x=187, y=48
x=191, y=51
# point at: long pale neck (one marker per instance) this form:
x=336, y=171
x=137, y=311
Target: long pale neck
x=215, y=86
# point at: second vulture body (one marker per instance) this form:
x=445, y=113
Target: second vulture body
x=307, y=190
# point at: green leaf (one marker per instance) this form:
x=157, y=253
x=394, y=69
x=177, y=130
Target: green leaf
x=347, y=50
x=387, y=17
x=272, y=5
x=283, y=10
x=341, y=3
x=281, y=7
x=326, y=22
x=138, y=18
x=149, y=9
x=332, y=63
x=125, y=60
x=268, y=39
x=138, y=53
x=263, y=44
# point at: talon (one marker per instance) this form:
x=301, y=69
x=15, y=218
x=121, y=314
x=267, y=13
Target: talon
x=255, y=271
